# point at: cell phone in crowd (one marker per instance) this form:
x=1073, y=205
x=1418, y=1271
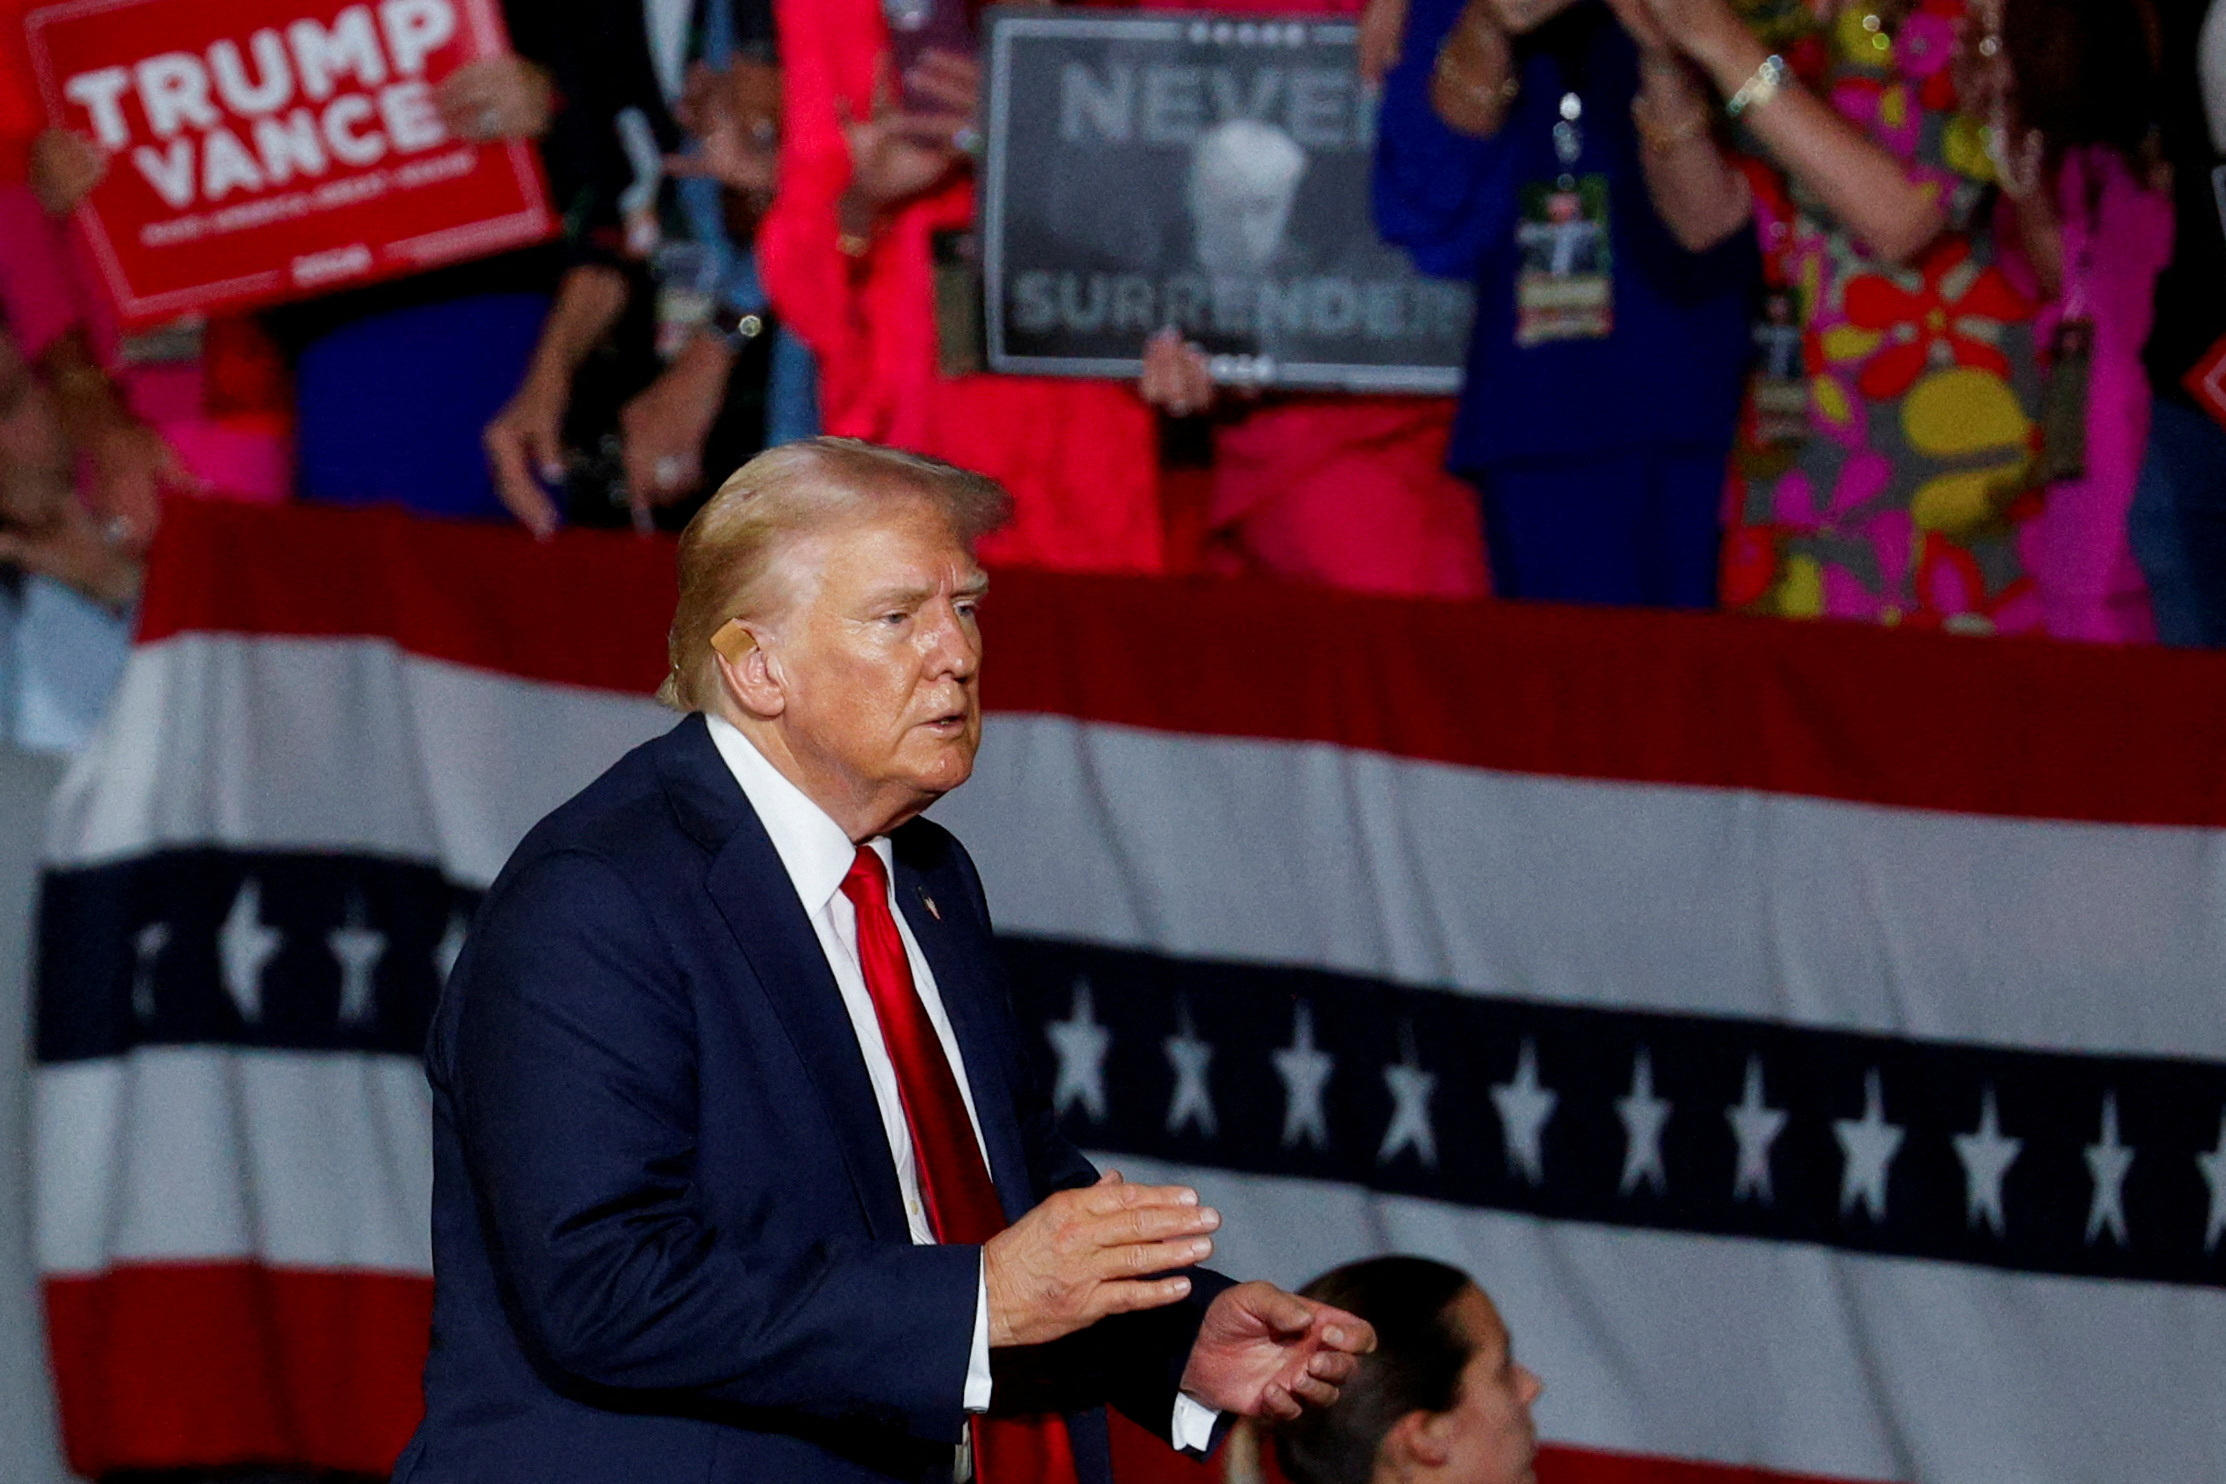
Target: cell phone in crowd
x=917, y=27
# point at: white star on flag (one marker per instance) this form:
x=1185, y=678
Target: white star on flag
x=1080, y=1043
x=146, y=945
x=1410, y=1088
x=1193, y=1102
x=1868, y=1145
x=357, y=949
x=1756, y=1126
x=245, y=945
x=1643, y=1115
x=2108, y=1160
x=2214, y=1172
x=1987, y=1157
x=1524, y=1106
x=1305, y=1073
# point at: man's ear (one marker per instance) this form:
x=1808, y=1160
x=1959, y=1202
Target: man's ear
x=747, y=672
x=1420, y=1438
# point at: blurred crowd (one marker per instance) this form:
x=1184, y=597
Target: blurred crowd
x=1907, y=311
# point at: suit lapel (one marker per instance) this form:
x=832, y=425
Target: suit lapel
x=750, y=889
x=969, y=999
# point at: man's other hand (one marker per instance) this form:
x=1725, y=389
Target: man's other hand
x=1266, y=1353
x=1084, y=1254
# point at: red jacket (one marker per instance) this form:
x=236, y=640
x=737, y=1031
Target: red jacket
x=1080, y=457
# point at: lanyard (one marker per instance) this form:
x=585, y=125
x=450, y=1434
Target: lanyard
x=1569, y=38
x=1569, y=138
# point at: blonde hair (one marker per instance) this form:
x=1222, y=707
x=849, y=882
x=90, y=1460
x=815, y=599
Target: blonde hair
x=730, y=553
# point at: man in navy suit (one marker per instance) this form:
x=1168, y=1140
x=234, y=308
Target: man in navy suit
x=740, y=1173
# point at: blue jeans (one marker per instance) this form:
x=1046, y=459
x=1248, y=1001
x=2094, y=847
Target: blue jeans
x=2178, y=525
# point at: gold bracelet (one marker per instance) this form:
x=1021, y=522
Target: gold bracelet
x=1510, y=87
x=1446, y=70
x=1758, y=89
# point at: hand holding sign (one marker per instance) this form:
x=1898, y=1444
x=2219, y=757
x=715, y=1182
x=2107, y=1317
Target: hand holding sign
x=65, y=167
x=258, y=149
x=503, y=97
x=1177, y=379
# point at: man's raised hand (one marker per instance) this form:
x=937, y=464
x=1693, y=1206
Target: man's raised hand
x=1084, y=1254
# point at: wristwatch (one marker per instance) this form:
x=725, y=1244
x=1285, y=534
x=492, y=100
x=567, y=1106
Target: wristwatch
x=734, y=328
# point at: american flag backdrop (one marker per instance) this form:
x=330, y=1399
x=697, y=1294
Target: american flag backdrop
x=1815, y=1037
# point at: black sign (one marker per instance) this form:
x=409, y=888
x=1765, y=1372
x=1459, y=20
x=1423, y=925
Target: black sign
x=1201, y=171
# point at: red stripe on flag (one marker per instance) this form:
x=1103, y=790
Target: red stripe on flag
x=588, y=608
x=1141, y=1458
x=1559, y=1464
x=176, y=1365
x=2013, y=727
x=1844, y=711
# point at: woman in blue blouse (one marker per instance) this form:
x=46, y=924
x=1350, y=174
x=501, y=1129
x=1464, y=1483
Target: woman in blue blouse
x=1608, y=364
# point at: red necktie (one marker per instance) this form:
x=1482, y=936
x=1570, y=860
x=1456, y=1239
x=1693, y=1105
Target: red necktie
x=962, y=1204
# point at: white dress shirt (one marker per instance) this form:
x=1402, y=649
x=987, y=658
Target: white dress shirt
x=817, y=854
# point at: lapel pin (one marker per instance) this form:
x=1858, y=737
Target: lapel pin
x=933, y=910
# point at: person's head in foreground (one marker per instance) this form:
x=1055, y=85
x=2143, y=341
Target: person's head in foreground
x=1441, y=1401
x=827, y=606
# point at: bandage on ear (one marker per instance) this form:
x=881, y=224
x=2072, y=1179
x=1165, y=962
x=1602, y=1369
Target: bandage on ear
x=733, y=640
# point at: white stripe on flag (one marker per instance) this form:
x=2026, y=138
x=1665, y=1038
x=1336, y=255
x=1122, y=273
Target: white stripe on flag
x=2011, y=932
x=334, y=744
x=209, y=1153
x=1786, y=1356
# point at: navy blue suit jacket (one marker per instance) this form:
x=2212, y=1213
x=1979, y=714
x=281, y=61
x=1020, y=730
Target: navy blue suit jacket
x=668, y=1238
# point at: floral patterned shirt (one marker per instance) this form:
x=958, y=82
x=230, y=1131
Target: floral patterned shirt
x=1902, y=502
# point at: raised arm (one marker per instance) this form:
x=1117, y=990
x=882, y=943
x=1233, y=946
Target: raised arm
x=1695, y=188
x=525, y=440
x=1866, y=190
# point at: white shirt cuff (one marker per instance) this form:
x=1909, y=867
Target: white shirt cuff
x=1191, y=1428
x=977, y=1363
x=1194, y=1424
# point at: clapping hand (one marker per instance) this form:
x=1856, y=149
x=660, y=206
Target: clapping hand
x=1108, y=1248
x=1265, y=1353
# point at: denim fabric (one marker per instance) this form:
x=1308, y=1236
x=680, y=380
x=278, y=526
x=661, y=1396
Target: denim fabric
x=792, y=384
x=2178, y=525
x=61, y=655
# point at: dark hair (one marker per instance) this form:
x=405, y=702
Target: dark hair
x=2086, y=73
x=1417, y=1364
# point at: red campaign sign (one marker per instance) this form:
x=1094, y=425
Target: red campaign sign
x=274, y=149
